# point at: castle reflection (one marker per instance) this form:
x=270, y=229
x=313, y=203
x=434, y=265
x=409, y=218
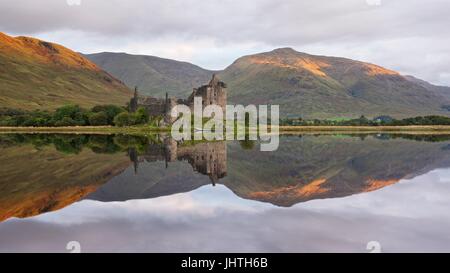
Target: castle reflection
x=208, y=158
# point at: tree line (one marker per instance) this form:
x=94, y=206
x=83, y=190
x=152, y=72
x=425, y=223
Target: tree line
x=113, y=115
x=363, y=121
x=74, y=115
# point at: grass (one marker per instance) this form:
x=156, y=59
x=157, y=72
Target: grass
x=134, y=130
x=413, y=128
x=140, y=130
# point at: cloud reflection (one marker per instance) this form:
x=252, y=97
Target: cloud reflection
x=410, y=216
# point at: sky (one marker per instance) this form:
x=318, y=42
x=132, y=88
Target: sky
x=410, y=36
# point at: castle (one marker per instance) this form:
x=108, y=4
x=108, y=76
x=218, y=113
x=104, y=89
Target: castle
x=209, y=158
x=212, y=93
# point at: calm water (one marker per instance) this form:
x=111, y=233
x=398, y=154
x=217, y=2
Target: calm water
x=317, y=193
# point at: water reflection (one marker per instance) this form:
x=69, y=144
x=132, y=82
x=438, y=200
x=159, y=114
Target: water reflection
x=208, y=158
x=126, y=182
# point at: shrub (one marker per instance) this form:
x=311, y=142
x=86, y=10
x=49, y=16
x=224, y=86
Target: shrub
x=66, y=121
x=141, y=116
x=111, y=111
x=123, y=119
x=128, y=119
x=73, y=114
x=35, y=121
x=98, y=119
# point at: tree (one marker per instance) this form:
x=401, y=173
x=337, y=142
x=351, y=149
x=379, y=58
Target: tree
x=65, y=121
x=123, y=119
x=111, y=111
x=98, y=119
x=141, y=116
x=363, y=120
x=70, y=112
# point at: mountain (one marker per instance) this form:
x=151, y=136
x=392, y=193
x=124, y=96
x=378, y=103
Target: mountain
x=35, y=74
x=327, y=87
x=302, y=84
x=445, y=90
x=154, y=76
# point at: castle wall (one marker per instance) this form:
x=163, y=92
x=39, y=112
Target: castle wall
x=154, y=106
x=213, y=93
x=206, y=158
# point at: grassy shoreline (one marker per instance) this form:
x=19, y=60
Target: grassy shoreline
x=409, y=128
x=85, y=130
x=440, y=129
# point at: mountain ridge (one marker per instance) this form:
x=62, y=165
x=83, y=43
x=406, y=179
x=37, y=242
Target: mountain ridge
x=35, y=74
x=314, y=86
x=304, y=85
x=41, y=75
x=153, y=75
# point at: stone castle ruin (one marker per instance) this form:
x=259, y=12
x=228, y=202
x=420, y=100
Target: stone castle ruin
x=209, y=158
x=206, y=158
x=212, y=93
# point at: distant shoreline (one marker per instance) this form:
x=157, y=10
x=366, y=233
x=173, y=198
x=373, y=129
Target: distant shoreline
x=422, y=129
x=374, y=129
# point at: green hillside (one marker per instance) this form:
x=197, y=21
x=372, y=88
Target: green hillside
x=154, y=76
x=39, y=75
x=327, y=87
x=303, y=85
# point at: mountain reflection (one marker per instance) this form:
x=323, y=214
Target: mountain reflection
x=42, y=172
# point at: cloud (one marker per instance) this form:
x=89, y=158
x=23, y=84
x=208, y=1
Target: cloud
x=200, y=31
x=409, y=216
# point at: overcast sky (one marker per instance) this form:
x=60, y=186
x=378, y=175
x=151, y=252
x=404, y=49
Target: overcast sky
x=411, y=36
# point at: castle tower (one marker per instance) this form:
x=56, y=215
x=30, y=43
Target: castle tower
x=134, y=101
x=213, y=93
x=214, y=81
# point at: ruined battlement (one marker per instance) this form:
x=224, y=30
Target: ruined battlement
x=212, y=93
x=208, y=158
